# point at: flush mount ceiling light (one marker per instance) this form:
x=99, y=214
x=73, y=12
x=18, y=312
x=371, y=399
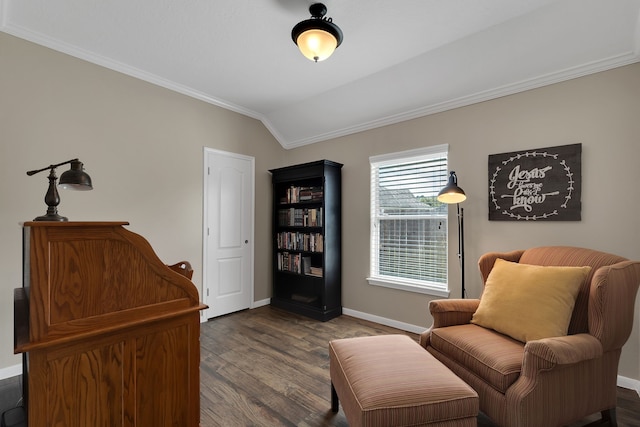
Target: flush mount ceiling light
x=318, y=36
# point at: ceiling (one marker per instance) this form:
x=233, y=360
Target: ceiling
x=399, y=60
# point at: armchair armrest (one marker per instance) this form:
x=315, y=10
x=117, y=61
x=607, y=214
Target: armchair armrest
x=449, y=312
x=612, y=303
x=559, y=366
x=486, y=261
x=547, y=353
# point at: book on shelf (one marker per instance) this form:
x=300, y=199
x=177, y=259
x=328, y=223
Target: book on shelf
x=299, y=217
x=315, y=271
x=289, y=262
x=296, y=263
x=302, y=194
x=295, y=241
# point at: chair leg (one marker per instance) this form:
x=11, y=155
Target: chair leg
x=335, y=405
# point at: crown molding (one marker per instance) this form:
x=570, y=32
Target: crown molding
x=616, y=61
x=620, y=60
x=43, y=40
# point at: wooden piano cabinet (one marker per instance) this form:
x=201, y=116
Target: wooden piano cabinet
x=111, y=333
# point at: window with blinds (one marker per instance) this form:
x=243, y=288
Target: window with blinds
x=408, y=224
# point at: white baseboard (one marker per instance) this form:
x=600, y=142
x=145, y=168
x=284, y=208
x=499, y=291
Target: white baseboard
x=384, y=321
x=11, y=371
x=254, y=304
x=261, y=303
x=629, y=383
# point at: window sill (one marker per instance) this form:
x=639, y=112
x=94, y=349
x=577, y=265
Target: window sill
x=408, y=286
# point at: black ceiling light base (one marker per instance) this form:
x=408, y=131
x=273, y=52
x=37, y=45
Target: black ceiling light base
x=318, y=10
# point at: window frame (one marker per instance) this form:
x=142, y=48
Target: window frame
x=406, y=284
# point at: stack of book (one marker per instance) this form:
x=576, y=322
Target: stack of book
x=307, y=194
x=294, y=241
x=300, y=217
x=302, y=194
x=289, y=262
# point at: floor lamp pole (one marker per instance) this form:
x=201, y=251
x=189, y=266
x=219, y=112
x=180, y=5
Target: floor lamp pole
x=451, y=194
x=461, y=245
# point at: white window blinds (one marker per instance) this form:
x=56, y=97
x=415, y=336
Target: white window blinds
x=408, y=224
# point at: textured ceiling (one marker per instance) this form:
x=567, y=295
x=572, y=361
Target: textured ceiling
x=399, y=60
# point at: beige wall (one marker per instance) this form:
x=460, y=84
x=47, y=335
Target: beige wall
x=143, y=144
x=601, y=111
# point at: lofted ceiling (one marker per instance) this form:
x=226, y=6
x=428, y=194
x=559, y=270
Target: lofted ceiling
x=400, y=59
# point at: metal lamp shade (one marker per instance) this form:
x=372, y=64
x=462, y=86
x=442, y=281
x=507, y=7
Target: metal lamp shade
x=451, y=193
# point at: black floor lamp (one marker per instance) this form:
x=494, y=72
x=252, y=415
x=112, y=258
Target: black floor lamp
x=450, y=194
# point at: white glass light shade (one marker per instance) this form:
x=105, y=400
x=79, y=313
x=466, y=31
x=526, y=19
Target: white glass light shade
x=317, y=45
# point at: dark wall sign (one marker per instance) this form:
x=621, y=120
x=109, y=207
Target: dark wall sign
x=536, y=185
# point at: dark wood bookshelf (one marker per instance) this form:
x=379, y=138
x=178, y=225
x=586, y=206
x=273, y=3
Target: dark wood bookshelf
x=307, y=230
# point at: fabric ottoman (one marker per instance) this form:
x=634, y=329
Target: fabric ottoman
x=390, y=380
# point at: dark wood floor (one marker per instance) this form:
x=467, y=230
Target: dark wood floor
x=267, y=367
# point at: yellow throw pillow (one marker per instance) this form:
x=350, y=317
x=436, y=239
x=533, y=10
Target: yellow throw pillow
x=529, y=302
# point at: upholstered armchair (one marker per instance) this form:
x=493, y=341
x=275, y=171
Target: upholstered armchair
x=549, y=381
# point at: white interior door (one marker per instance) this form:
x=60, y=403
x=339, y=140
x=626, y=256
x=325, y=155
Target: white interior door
x=228, y=232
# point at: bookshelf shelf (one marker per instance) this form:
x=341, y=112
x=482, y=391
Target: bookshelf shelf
x=307, y=228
